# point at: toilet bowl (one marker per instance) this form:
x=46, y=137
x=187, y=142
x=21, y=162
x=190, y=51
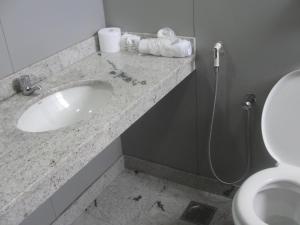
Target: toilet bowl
x=272, y=196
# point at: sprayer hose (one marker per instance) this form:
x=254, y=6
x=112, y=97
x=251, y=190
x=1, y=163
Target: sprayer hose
x=247, y=132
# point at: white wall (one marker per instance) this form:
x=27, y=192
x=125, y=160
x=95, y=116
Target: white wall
x=36, y=29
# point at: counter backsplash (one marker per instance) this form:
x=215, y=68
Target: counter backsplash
x=58, y=62
x=53, y=64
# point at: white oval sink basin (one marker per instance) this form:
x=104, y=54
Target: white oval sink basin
x=66, y=107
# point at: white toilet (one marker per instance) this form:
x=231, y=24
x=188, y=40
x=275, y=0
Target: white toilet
x=272, y=196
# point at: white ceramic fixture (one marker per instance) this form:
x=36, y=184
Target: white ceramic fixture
x=66, y=107
x=272, y=196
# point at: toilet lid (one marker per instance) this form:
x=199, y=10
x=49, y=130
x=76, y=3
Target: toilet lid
x=281, y=120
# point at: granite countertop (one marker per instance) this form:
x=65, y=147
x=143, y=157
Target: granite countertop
x=35, y=165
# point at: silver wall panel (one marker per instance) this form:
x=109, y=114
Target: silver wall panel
x=36, y=29
x=149, y=16
x=5, y=63
x=167, y=133
x=262, y=44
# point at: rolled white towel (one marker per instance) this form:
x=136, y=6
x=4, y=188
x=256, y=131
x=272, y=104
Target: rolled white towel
x=178, y=48
x=166, y=47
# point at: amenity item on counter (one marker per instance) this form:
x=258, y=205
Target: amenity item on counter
x=166, y=33
x=130, y=42
x=109, y=39
x=166, y=44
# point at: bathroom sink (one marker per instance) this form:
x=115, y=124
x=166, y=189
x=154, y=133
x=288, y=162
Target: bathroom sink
x=66, y=107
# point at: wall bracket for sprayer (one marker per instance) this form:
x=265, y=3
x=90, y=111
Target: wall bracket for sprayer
x=249, y=101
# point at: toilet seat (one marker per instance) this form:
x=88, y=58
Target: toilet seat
x=280, y=130
x=280, y=122
x=244, y=200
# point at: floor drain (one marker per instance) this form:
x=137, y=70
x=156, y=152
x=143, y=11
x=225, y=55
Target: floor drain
x=199, y=214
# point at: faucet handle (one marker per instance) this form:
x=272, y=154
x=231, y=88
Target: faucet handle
x=23, y=84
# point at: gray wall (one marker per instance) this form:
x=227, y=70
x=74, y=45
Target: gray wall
x=166, y=134
x=148, y=16
x=36, y=29
x=262, y=45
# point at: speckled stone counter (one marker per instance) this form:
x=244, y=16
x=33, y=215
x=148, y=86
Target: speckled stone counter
x=35, y=165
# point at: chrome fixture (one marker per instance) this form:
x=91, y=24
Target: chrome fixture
x=250, y=100
x=23, y=84
x=218, y=47
x=247, y=105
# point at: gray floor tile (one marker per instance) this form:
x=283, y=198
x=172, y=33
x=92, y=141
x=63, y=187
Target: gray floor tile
x=86, y=219
x=181, y=177
x=142, y=199
x=129, y=196
x=157, y=218
x=222, y=218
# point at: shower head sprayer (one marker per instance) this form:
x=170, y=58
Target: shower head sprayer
x=218, y=47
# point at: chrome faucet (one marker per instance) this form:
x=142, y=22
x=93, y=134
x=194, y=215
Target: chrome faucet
x=23, y=84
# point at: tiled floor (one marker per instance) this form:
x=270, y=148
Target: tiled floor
x=139, y=199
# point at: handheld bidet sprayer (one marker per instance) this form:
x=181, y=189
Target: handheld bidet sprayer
x=217, y=50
